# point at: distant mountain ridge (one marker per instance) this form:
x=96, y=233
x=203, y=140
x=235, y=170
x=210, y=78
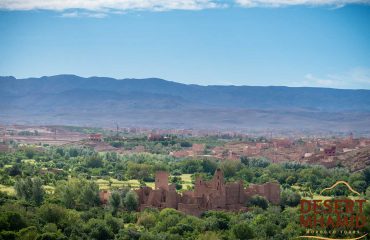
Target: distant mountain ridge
x=59, y=98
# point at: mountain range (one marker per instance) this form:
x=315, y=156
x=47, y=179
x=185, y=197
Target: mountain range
x=157, y=103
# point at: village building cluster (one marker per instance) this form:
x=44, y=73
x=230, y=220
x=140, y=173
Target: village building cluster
x=207, y=195
x=326, y=151
x=323, y=151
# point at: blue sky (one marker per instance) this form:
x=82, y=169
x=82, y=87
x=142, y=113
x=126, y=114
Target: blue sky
x=318, y=43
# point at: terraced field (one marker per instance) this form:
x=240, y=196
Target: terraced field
x=114, y=183
x=134, y=183
x=186, y=179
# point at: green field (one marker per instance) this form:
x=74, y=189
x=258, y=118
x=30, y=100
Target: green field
x=134, y=183
x=10, y=190
x=49, y=189
x=114, y=183
x=7, y=189
x=29, y=161
x=186, y=178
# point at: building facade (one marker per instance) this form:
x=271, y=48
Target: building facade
x=207, y=195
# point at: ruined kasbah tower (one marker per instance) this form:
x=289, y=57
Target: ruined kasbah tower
x=207, y=195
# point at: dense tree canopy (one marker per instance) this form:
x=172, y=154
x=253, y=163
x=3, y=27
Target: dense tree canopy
x=56, y=194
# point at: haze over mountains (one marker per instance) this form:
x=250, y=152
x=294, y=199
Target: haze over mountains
x=156, y=103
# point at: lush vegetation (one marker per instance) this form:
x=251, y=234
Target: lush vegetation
x=53, y=193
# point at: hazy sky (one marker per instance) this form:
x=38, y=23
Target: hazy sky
x=322, y=43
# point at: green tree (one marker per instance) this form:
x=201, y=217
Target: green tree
x=23, y=188
x=191, y=166
x=131, y=201
x=51, y=236
x=114, y=224
x=89, y=196
x=8, y=235
x=209, y=236
x=78, y=193
x=29, y=233
x=290, y=198
x=366, y=174
x=242, y=231
x=209, y=166
x=37, y=191
x=94, y=161
x=15, y=170
x=30, y=189
x=367, y=193
x=168, y=218
x=51, y=213
x=98, y=230
x=30, y=153
x=12, y=221
x=359, y=185
x=147, y=219
x=230, y=168
x=216, y=220
x=115, y=201
x=259, y=201
x=138, y=171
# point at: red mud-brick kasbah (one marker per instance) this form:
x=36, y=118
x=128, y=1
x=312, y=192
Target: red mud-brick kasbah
x=207, y=195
